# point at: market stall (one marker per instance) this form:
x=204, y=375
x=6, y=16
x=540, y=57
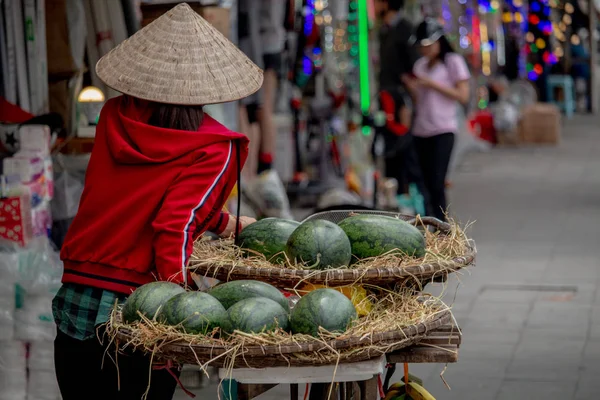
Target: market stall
x=256, y=345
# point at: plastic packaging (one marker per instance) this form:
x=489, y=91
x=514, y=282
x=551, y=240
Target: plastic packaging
x=34, y=321
x=69, y=172
x=9, y=264
x=40, y=268
x=42, y=385
x=268, y=193
x=41, y=356
x=13, y=370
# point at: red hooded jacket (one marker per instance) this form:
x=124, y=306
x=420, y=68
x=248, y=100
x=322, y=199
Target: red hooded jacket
x=149, y=193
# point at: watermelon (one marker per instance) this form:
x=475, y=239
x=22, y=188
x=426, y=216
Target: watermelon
x=374, y=235
x=326, y=308
x=257, y=314
x=147, y=299
x=321, y=244
x=194, y=312
x=232, y=292
x=268, y=237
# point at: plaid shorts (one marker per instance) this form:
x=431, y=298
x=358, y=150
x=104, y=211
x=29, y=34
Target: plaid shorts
x=79, y=309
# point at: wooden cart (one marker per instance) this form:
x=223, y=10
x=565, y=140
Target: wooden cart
x=362, y=380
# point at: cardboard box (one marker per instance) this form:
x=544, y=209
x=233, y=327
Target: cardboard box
x=540, y=124
x=216, y=16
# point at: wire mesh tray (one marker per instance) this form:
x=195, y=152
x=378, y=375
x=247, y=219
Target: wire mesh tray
x=416, y=274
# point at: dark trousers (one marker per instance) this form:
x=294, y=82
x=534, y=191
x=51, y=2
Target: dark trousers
x=434, y=157
x=86, y=370
x=404, y=166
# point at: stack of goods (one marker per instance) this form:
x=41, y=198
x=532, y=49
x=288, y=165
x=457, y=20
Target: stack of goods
x=27, y=187
x=29, y=278
x=367, y=248
x=311, y=312
x=41, y=382
x=13, y=370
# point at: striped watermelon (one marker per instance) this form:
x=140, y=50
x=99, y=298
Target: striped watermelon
x=320, y=244
x=193, y=312
x=232, y=292
x=148, y=299
x=374, y=235
x=268, y=237
x=256, y=315
x=325, y=308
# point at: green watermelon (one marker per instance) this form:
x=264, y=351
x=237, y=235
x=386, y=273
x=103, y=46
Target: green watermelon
x=325, y=308
x=268, y=237
x=197, y=312
x=256, y=315
x=147, y=299
x=374, y=235
x=231, y=292
x=321, y=244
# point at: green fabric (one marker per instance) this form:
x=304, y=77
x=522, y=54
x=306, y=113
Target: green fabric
x=79, y=309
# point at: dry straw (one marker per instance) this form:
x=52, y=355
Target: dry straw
x=180, y=58
x=397, y=320
x=447, y=251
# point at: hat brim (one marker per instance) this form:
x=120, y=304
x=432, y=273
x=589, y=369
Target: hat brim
x=180, y=59
x=425, y=42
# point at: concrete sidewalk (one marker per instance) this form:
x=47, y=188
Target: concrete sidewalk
x=529, y=309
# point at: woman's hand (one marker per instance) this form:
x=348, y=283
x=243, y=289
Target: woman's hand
x=411, y=82
x=230, y=229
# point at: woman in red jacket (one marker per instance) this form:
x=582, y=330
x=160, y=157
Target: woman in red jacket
x=159, y=175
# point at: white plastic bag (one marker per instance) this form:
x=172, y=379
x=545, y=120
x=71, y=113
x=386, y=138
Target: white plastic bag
x=9, y=264
x=40, y=268
x=69, y=177
x=13, y=370
x=41, y=356
x=42, y=385
x=34, y=321
x=267, y=193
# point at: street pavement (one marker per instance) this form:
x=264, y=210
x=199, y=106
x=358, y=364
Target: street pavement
x=530, y=308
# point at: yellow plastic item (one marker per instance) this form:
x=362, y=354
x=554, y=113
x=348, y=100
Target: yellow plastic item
x=356, y=294
x=352, y=181
x=418, y=392
x=232, y=196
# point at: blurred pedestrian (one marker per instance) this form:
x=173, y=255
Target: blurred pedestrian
x=262, y=37
x=439, y=83
x=397, y=57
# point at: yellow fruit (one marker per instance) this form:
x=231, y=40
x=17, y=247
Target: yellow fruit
x=357, y=294
x=418, y=392
x=392, y=394
x=397, y=386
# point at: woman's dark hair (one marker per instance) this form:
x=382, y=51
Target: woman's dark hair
x=171, y=116
x=445, y=48
x=395, y=5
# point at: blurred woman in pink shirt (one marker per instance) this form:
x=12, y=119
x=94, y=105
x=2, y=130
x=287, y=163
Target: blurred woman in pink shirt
x=440, y=81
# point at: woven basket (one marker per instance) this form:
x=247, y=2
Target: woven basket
x=406, y=275
x=350, y=349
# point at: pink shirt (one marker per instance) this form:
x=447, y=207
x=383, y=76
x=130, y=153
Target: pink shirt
x=436, y=113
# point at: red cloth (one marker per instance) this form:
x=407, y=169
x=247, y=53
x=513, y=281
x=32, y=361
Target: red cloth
x=149, y=192
x=388, y=105
x=482, y=123
x=11, y=113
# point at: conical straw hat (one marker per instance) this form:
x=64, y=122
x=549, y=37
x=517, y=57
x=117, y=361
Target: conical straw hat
x=180, y=58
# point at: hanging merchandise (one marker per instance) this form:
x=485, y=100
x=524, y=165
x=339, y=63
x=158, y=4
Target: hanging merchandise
x=540, y=41
x=21, y=61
